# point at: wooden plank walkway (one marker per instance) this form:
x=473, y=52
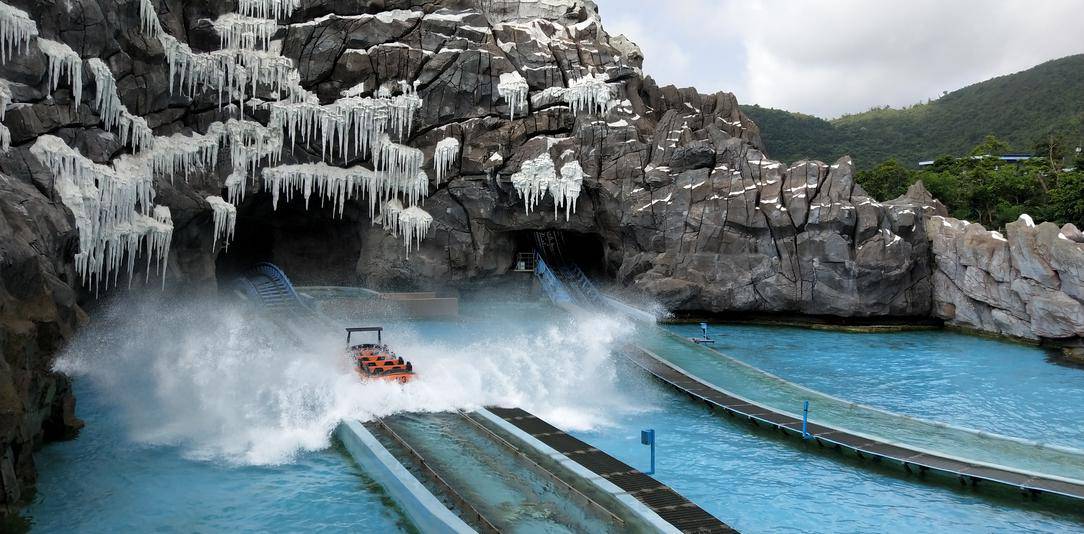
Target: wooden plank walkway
x=667, y=503
x=911, y=460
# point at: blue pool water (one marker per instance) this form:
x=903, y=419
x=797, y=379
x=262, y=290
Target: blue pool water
x=760, y=483
x=995, y=386
x=104, y=482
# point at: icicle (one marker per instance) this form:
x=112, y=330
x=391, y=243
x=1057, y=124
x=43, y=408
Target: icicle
x=186, y=152
x=443, y=156
x=5, y=138
x=161, y=241
x=5, y=97
x=398, y=167
x=243, y=32
x=111, y=206
x=268, y=9
x=250, y=144
x=330, y=183
x=513, y=88
x=148, y=19
x=133, y=130
x=414, y=224
x=63, y=60
x=566, y=189
x=225, y=220
x=16, y=31
x=590, y=93
x=389, y=215
x=534, y=179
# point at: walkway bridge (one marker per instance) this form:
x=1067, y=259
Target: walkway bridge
x=746, y=393
x=445, y=469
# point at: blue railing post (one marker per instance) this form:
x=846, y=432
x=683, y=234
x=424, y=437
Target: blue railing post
x=805, y=419
x=647, y=437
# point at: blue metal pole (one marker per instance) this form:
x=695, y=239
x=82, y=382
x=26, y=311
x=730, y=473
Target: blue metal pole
x=704, y=328
x=647, y=437
x=805, y=419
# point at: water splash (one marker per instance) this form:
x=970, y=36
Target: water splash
x=222, y=384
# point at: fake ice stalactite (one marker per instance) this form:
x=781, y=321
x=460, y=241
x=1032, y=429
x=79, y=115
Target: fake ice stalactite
x=244, y=32
x=513, y=87
x=446, y=152
x=16, y=31
x=566, y=189
x=389, y=215
x=230, y=71
x=398, y=168
x=186, y=152
x=590, y=93
x=331, y=183
x=250, y=143
x=225, y=217
x=148, y=19
x=5, y=100
x=63, y=60
x=414, y=224
x=268, y=9
x=533, y=179
x=133, y=130
x=112, y=207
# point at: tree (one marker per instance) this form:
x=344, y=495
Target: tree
x=990, y=146
x=886, y=181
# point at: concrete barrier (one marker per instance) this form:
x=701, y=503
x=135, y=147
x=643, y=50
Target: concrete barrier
x=420, y=505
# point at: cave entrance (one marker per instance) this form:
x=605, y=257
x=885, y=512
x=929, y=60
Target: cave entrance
x=558, y=247
x=313, y=247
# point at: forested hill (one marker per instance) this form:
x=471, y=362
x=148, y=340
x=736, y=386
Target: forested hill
x=1021, y=109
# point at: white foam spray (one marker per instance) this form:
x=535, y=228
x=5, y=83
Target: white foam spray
x=221, y=384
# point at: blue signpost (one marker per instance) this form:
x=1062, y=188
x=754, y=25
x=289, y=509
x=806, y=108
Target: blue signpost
x=805, y=419
x=647, y=437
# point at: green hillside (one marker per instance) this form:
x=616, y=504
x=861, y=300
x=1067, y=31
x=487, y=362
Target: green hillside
x=1021, y=109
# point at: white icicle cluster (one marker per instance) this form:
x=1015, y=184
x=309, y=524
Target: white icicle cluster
x=538, y=176
x=513, y=87
x=250, y=144
x=389, y=215
x=413, y=224
x=398, y=165
x=590, y=93
x=268, y=9
x=16, y=31
x=230, y=71
x=113, y=208
x=331, y=183
x=363, y=119
x=566, y=189
x=533, y=179
x=446, y=152
x=63, y=60
x=5, y=100
x=132, y=130
x=148, y=19
x=186, y=152
x=243, y=32
x=225, y=217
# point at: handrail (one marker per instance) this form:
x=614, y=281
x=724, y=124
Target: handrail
x=551, y=284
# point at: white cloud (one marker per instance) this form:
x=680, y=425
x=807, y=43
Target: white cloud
x=830, y=57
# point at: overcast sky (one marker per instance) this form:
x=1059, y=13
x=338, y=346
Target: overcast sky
x=830, y=57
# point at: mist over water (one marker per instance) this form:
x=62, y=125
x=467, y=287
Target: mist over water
x=222, y=383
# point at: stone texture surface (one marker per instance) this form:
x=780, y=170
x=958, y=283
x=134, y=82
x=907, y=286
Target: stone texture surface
x=1025, y=283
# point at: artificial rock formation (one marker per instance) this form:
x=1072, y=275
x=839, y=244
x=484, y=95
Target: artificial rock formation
x=1027, y=283
x=376, y=107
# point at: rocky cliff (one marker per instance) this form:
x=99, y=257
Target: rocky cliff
x=1027, y=283
x=462, y=126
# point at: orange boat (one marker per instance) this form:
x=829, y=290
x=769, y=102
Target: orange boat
x=375, y=360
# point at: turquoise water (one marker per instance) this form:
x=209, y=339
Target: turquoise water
x=558, y=368
x=758, y=386
x=105, y=482
x=990, y=385
x=756, y=482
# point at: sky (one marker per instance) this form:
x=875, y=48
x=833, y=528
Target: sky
x=832, y=57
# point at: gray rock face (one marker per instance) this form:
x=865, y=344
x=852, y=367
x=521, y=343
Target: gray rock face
x=1025, y=284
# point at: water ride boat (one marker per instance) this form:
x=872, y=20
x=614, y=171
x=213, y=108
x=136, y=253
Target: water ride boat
x=376, y=360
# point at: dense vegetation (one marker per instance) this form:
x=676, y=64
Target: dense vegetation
x=1022, y=109
x=985, y=189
